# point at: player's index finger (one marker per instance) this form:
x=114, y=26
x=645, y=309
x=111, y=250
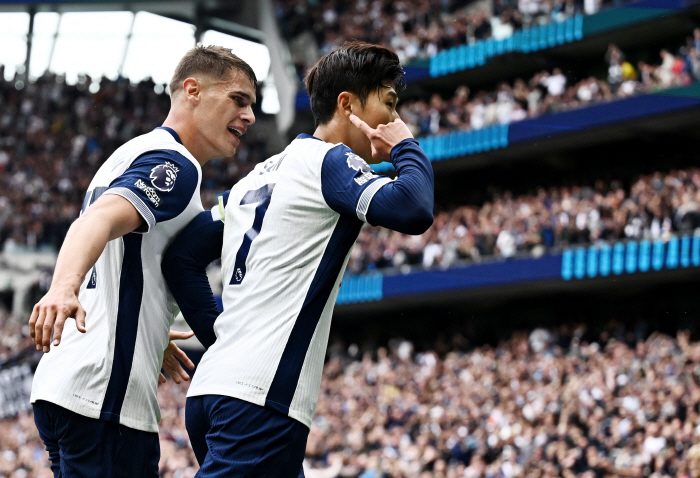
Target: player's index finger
x=364, y=127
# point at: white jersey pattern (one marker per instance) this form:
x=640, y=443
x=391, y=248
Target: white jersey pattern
x=289, y=227
x=111, y=371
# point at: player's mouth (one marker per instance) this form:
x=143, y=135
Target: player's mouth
x=237, y=132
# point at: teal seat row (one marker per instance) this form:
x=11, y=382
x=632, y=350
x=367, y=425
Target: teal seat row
x=461, y=143
x=539, y=37
x=458, y=143
x=363, y=288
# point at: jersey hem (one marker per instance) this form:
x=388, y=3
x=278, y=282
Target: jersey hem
x=297, y=415
x=89, y=412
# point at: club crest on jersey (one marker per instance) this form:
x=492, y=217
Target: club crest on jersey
x=163, y=176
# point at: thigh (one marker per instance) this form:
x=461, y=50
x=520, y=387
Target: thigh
x=247, y=440
x=73, y=441
x=44, y=424
x=90, y=448
x=197, y=424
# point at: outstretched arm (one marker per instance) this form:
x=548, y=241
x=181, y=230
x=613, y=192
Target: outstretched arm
x=184, y=268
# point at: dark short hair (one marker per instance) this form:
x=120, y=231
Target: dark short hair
x=215, y=61
x=357, y=67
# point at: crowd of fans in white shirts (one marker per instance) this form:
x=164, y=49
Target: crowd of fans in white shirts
x=548, y=403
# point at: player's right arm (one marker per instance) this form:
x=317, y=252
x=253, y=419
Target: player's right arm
x=109, y=218
x=184, y=268
x=129, y=204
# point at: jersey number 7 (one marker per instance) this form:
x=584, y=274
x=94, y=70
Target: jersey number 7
x=261, y=197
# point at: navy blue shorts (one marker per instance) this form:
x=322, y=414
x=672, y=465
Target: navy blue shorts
x=234, y=438
x=82, y=447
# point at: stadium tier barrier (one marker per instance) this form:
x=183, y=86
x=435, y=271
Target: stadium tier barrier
x=540, y=37
x=572, y=264
x=464, y=143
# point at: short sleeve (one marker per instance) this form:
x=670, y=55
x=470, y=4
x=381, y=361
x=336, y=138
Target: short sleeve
x=159, y=184
x=348, y=183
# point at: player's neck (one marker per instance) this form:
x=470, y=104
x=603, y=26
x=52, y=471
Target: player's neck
x=188, y=139
x=333, y=132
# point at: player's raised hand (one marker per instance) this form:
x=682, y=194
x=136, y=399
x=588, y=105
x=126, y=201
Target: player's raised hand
x=384, y=137
x=49, y=316
x=172, y=353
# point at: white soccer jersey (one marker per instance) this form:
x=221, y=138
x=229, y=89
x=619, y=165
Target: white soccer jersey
x=111, y=371
x=289, y=228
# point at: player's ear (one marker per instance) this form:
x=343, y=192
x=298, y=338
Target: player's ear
x=345, y=103
x=192, y=89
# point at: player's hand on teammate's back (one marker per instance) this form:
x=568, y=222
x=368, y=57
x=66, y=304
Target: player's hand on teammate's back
x=172, y=353
x=49, y=316
x=384, y=137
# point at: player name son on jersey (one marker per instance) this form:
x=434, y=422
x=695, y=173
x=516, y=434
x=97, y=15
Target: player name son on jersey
x=150, y=192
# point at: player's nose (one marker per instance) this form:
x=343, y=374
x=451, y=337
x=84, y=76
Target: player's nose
x=248, y=116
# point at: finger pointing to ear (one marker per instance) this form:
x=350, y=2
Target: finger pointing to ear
x=364, y=127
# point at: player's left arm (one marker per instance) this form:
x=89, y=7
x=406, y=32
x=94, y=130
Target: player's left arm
x=184, y=268
x=406, y=204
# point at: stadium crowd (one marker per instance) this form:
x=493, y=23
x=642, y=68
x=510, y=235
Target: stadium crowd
x=548, y=92
x=416, y=29
x=554, y=402
x=655, y=206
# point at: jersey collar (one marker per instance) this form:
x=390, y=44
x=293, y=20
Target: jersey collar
x=172, y=132
x=307, y=136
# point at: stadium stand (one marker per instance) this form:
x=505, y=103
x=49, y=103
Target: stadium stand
x=415, y=30
x=565, y=401
x=548, y=92
x=576, y=382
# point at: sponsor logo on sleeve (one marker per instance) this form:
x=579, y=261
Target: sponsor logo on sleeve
x=360, y=165
x=163, y=176
x=151, y=194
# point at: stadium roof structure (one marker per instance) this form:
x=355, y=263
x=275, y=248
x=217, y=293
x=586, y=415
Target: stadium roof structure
x=240, y=18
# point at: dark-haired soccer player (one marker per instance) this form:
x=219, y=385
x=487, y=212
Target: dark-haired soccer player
x=94, y=395
x=288, y=230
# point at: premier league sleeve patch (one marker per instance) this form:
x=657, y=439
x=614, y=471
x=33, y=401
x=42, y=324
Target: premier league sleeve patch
x=163, y=176
x=360, y=165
